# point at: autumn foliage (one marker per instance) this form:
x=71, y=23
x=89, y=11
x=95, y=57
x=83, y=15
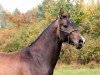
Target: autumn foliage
x=21, y=29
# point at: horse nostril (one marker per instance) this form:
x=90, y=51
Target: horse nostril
x=80, y=42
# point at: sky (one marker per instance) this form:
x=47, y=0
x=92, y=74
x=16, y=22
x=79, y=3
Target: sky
x=22, y=5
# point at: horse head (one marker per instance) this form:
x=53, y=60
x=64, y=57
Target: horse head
x=68, y=31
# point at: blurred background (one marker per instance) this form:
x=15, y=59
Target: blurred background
x=19, y=28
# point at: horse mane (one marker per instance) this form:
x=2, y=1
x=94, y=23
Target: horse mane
x=44, y=31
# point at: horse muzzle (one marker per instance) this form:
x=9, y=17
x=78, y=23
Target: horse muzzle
x=81, y=42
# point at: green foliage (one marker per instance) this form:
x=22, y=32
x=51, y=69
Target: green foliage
x=94, y=23
x=2, y=19
x=78, y=17
x=22, y=37
x=91, y=51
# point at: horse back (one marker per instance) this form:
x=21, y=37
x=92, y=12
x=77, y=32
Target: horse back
x=13, y=64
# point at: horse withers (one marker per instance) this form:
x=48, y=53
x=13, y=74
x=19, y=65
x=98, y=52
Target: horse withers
x=41, y=56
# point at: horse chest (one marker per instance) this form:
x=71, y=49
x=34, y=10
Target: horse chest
x=40, y=70
x=33, y=68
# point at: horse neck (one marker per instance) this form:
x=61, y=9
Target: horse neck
x=47, y=47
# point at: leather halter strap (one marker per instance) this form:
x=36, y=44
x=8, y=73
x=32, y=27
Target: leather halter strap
x=70, y=32
x=68, y=35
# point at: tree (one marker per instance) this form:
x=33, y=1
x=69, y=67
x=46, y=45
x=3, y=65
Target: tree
x=2, y=17
x=98, y=4
x=68, y=1
x=16, y=12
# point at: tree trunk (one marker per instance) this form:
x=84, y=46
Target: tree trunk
x=68, y=1
x=98, y=4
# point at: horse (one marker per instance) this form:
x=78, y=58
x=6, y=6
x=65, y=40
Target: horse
x=40, y=57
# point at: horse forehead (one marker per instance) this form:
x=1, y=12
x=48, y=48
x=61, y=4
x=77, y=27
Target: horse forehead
x=63, y=21
x=71, y=23
x=67, y=21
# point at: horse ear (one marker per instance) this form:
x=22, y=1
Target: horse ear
x=61, y=12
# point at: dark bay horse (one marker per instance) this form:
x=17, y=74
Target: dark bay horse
x=41, y=56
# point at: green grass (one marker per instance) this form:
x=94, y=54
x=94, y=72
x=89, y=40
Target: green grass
x=77, y=71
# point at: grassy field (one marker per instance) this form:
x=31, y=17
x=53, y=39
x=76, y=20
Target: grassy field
x=77, y=72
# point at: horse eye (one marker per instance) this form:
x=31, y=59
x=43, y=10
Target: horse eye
x=65, y=26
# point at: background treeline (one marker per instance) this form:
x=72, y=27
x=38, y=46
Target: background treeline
x=18, y=30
